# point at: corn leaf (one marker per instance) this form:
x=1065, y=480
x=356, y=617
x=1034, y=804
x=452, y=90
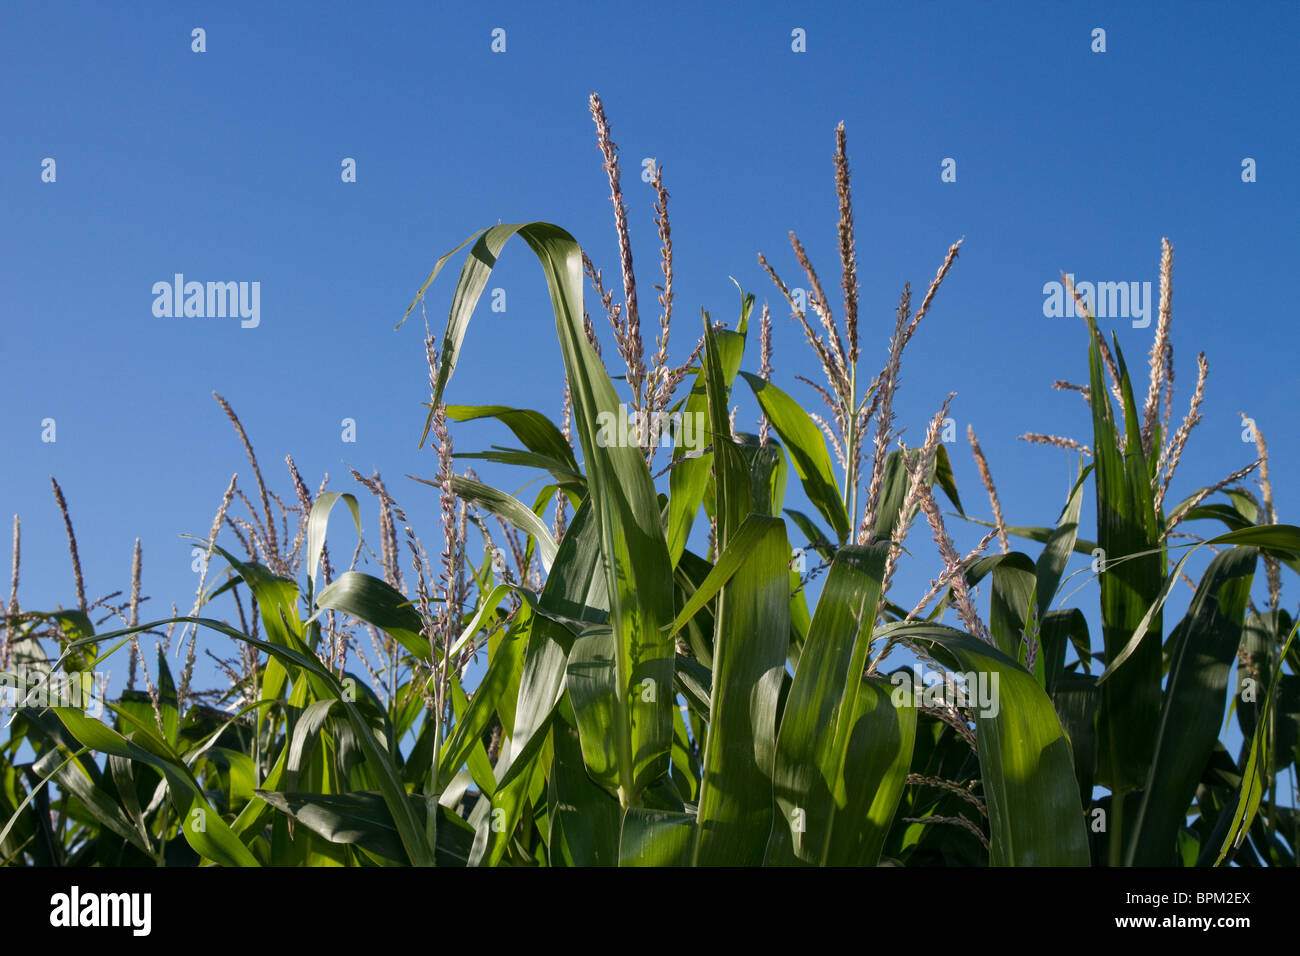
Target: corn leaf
x=1026, y=768
x=1194, y=701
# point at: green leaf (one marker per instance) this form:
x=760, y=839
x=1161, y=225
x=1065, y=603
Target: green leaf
x=1255, y=776
x=637, y=567
x=752, y=532
x=656, y=838
x=689, y=477
x=1274, y=539
x=1130, y=582
x=367, y=598
x=73, y=776
x=584, y=819
x=1039, y=534
x=767, y=473
x=318, y=523
x=877, y=757
x=1279, y=540
x=508, y=507
x=573, y=483
x=751, y=635
x=168, y=708
x=750, y=639
x=200, y=824
x=1225, y=513
x=1035, y=816
x=733, y=491
x=821, y=751
x=943, y=477
x=361, y=818
x=323, y=684
x=590, y=680
x=806, y=446
x=1194, y=701
x=893, y=492
x=574, y=585
x=537, y=432
x=1013, y=594
x=1076, y=698
x=1055, y=631
x=575, y=588
x=305, y=731
x=502, y=674
x=487, y=244
x=1058, y=547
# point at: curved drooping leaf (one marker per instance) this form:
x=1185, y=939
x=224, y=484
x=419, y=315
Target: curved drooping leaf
x=1040, y=534
x=469, y=287
x=369, y=599
x=806, y=446
x=1229, y=515
x=1280, y=540
x=277, y=604
x=1013, y=594
x=201, y=825
x=324, y=684
x=506, y=506
x=361, y=818
x=318, y=523
x=1035, y=816
x=637, y=566
x=572, y=484
x=537, y=432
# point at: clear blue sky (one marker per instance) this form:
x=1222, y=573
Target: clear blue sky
x=225, y=165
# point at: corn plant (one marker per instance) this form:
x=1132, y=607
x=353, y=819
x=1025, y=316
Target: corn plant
x=649, y=701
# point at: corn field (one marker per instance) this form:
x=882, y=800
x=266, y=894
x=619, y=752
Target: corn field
x=657, y=661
